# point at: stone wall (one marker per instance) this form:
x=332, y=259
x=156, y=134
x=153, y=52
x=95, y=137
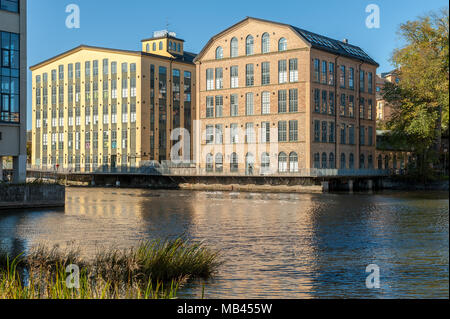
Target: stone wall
x=31, y=195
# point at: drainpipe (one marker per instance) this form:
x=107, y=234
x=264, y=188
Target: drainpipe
x=336, y=157
x=358, y=119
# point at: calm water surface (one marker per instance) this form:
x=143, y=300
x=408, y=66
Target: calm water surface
x=273, y=245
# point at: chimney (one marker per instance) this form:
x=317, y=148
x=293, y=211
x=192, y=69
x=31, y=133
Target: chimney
x=345, y=41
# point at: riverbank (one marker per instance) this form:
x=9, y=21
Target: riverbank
x=32, y=195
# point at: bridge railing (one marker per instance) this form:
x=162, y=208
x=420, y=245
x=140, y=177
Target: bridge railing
x=189, y=170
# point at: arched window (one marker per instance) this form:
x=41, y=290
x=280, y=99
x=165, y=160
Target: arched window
x=386, y=162
x=179, y=47
x=234, y=162
x=380, y=162
x=160, y=45
x=362, y=163
x=331, y=161
x=265, y=43
x=343, y=163
x=148, y=48
x=209, y=163
x=351, y=161
x=234, y=50
x=170, y=45
x=282, y=44
x=282, y=162
x=219, y=162
x=370, y=162
x=324, y=160
x=249, y=163
x=154, y=46
x=265, y=162
x=316, y=160
x=293, y=162
x=219, y=53
x=249, y=45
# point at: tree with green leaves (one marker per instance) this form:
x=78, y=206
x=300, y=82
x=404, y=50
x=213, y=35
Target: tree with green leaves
x=420, y=100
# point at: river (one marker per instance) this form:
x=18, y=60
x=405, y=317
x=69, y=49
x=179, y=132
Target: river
x=273, y=245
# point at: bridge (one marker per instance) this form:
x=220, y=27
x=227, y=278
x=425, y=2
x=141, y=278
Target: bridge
x=198, y=178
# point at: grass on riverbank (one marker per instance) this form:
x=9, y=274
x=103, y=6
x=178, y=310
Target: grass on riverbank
x=155, y=269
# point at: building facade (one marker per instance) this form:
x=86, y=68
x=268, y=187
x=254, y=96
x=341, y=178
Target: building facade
x=273, y=98
x=13, y=84
x=96, y=108
x=384, y=109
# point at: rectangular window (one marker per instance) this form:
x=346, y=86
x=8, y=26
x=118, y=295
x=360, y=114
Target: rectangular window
x=219, y=134
x=219, y=78
x=234, y=136
x=219, y=106
x=342, y=76
x=362, y=83
x=351, y=134
x=282, y=101
x=234, y=77
x=324, y=102
x=370, y=136
x=209, y=106
x=331, y=135
x=282, y=71
x=361, y=108
x=316, y=131
x=362, y=135
x=210, y=79
x=249, y=133
x=293, y=100
x=293, y=70
x=342, y=107
x=209, y=134
x=343, y=134
x=317, y=100
x=293, y=131
x=249, y=107
x=265, y=132
x=249, y=75
x=351, y=106
x=9, y=5
x=331, y=73
x=351, y=79
x=95, y=68
x=282, y=131
x=324, y=72
x=370, y=83
x=234, y=107
x=87, y=69
x=105, y=66
x=316, y=70
x=265, y=107
x=331, y=99
x=324, y=132
x=370, y=109
x=265, y=73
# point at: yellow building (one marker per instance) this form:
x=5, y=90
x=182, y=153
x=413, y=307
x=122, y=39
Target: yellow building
x=105, y=108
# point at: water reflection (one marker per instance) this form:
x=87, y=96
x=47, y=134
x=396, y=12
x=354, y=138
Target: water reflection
x=274, y=245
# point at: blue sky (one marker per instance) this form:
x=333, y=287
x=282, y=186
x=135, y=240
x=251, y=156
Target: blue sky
x=122, y=24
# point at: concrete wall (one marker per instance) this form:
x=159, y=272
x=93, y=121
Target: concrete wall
x=31, y=196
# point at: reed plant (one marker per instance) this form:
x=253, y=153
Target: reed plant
x=152, y=270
